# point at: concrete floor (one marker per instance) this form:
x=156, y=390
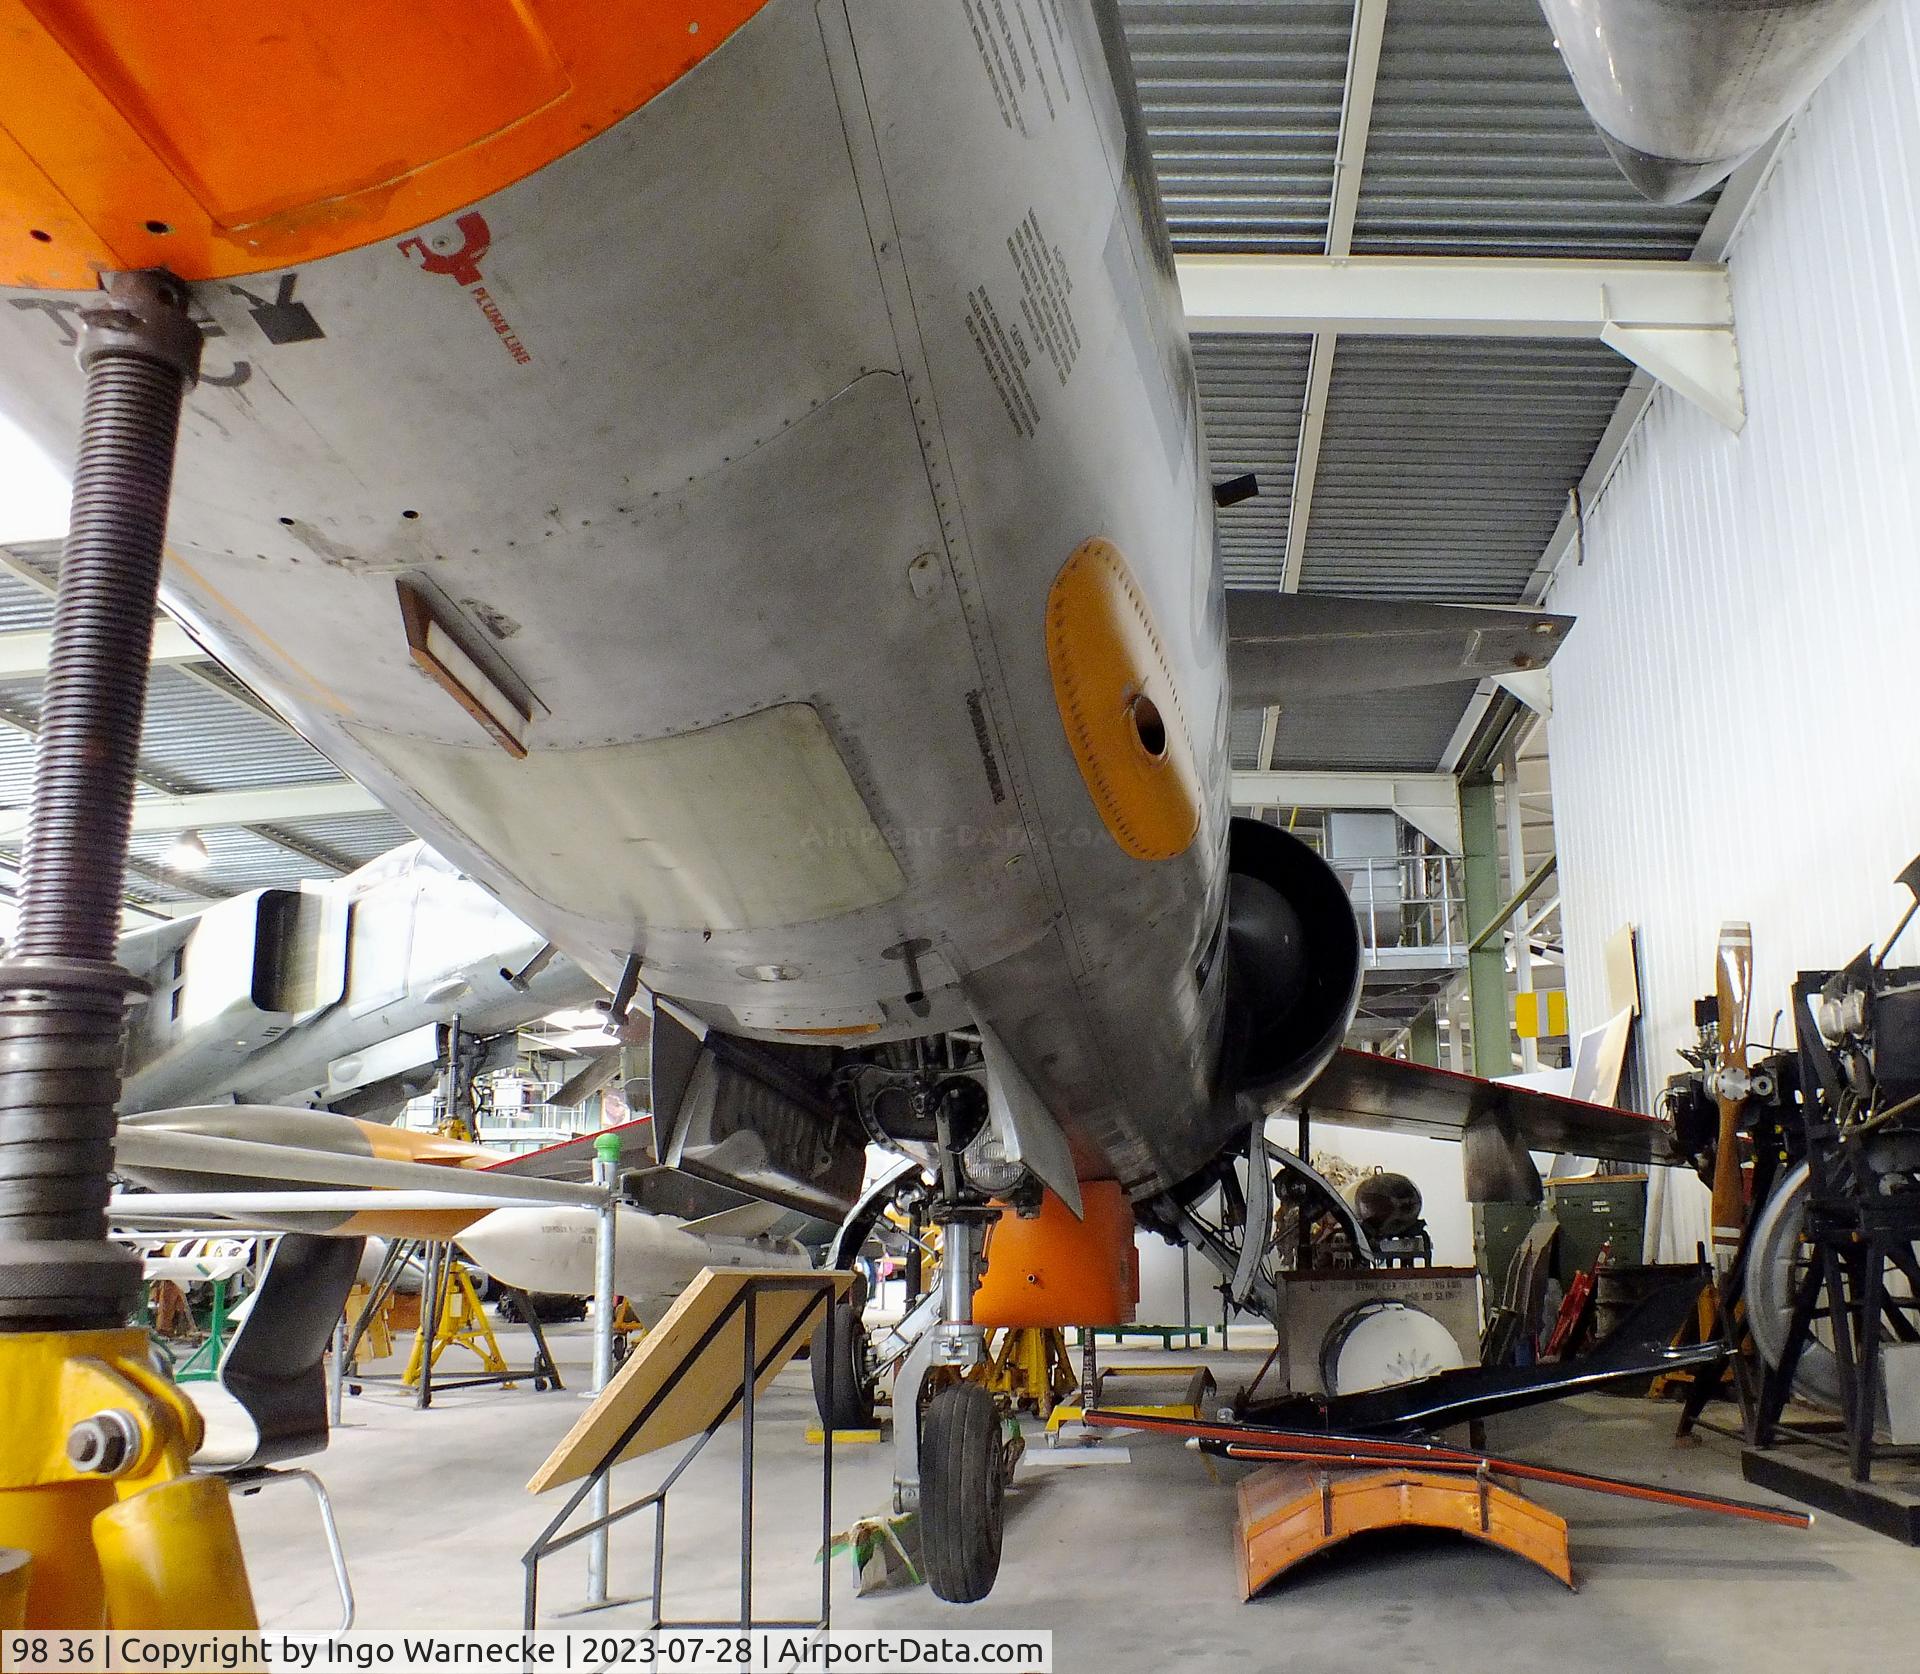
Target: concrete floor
x=1130, y=1564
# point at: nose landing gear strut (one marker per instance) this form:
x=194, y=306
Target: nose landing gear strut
x=954, y=1463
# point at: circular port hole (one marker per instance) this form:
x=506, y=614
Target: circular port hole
x=287, y=521
x=1148, y=726
x=409, y=514
x=159, y=229
x=38, y=236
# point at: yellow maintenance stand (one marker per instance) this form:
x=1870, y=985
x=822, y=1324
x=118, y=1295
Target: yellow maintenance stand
x=101, y=1523
x=1028, y=1364
x=462, y=1321
x=95, y=1492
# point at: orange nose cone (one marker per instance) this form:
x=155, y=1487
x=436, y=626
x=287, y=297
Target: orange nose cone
x=217, y=139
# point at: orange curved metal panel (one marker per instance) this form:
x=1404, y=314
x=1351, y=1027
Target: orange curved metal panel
x=217, y=140
x=1290, y=1512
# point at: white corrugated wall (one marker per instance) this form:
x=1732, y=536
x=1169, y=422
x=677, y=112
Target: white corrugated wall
x=1736, y=729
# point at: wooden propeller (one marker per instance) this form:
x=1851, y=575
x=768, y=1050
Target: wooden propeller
x=1733, y=987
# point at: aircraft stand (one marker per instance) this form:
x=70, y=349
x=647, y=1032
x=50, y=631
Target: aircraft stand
x=450, y=1313
x=711, y=1357
x=100, y=1521
x=1029, y=1366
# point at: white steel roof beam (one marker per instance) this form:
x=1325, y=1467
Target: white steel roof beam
x=1269, y=736
x=1349, y=162
x=1674, y=319
x=1429, y=802
x=1452, y=296
x=273, y=804
x=1729, y=212
x=24, y=652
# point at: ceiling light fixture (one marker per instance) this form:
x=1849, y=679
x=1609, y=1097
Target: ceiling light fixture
x=187, y=853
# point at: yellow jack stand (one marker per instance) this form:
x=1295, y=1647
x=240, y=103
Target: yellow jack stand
x=1196, y=1400
x=376, y=1343
x=462, y=1320
x=1029, y=1365
x=95, y=1492
x=627, y=1331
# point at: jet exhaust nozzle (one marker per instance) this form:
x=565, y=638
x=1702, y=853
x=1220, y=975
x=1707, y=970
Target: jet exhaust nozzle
x=1293, y=963
x=1684, y=91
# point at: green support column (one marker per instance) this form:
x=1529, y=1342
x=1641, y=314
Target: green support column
x=1487, y=966
x=1423, y=1039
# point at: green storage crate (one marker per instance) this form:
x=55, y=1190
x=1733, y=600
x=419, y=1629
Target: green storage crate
x=1606, y=1208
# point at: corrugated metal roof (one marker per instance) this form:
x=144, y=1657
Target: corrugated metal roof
x=238, y=860
x=1242, y=105
x=1243, y=740
x=1252, y=390
x=355, y=837
x=40, y=558
x=1447, y=462
x=204, y=732
x=203, y=740
x=1480, y=146
x=22, y=605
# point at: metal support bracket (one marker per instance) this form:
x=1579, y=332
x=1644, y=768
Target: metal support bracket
x=1673, y=319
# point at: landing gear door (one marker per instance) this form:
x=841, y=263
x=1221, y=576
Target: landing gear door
x=675, y=1054
x=1024, y=1126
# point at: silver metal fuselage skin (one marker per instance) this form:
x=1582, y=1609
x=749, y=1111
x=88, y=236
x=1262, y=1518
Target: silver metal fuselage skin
x=1684, y=90
x=796, y=388
x=390, y=951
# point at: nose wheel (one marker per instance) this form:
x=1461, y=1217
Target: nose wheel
x=963, y=1485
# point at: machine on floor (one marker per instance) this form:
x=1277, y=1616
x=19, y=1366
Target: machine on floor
x=1813, y=1151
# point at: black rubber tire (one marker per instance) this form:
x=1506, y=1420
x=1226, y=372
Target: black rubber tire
x=962, y=1493
x=842, y=1389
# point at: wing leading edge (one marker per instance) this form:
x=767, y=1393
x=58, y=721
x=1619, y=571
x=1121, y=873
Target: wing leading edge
x=1284, y=647
x=1391, y=1095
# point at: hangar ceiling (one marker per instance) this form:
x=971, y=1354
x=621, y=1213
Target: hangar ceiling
x=1413, y=467
x=268, y=807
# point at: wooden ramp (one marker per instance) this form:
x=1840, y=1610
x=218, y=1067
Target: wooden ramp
x=1290, y=1512
x=690, y=1369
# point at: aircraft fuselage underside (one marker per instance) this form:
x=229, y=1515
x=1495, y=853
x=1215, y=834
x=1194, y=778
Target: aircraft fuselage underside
x=739, y=449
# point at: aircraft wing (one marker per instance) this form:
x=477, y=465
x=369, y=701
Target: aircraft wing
x=140, y=950
x=572, y=1159
x=1391, y=1095
x=1283, y=647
